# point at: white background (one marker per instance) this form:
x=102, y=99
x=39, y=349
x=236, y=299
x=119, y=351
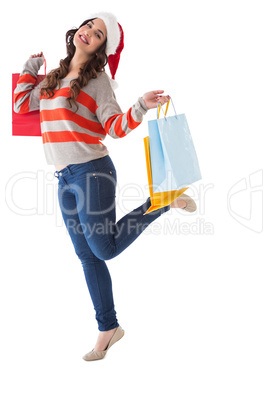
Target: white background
x=193, y=302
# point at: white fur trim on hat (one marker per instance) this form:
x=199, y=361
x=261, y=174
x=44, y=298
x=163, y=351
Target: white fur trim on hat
x=113, y=31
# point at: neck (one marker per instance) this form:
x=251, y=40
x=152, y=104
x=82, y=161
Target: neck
x=77, y=62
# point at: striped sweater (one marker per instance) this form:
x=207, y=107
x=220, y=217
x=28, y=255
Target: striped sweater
x=69, y=137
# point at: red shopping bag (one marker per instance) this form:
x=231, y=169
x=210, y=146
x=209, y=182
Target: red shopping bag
x=27, y=124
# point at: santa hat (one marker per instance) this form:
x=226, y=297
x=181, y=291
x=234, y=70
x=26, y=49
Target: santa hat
x=115, y=41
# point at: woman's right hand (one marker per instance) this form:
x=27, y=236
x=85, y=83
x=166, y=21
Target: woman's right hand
x=37, y=55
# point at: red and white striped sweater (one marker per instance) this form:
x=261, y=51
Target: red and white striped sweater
x=69, y=137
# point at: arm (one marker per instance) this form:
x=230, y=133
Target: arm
x=121, y=124
x=26, y=94
x=116, y=123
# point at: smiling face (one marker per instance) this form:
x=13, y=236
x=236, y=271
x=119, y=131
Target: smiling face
x=90, y=37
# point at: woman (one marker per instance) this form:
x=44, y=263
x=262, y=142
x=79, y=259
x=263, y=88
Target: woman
x=77, y=109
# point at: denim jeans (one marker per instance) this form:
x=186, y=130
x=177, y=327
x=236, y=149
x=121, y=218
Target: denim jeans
x=87, y=194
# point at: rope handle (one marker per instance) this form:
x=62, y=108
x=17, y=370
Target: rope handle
x=45, y=66
x=159, y=108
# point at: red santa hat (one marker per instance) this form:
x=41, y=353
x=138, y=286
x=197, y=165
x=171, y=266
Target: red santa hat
x=115, y=40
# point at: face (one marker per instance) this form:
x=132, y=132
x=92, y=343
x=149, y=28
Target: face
x=90, y=36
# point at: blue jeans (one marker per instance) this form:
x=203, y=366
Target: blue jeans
x=87, y=193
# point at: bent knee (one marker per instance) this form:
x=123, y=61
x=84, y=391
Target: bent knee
x=105, y=253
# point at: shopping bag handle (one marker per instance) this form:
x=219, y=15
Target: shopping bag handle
x=45, y=66
x=159, y=107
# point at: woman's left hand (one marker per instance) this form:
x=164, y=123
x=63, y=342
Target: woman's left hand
x=152, y=98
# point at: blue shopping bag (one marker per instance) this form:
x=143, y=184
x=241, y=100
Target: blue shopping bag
x=174, y=161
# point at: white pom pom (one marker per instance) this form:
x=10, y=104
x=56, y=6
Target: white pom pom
x=114, y=84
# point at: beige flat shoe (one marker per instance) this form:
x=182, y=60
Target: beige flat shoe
x=95, y=355
x=191, y=205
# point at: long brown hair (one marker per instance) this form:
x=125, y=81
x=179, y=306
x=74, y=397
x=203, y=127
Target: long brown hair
x=87, y=72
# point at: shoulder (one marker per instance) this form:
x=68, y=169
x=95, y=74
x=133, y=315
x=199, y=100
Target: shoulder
x=102, y=80
x=103, y=76
x=100, y=87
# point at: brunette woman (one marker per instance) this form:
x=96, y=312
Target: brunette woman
x=78, y=108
